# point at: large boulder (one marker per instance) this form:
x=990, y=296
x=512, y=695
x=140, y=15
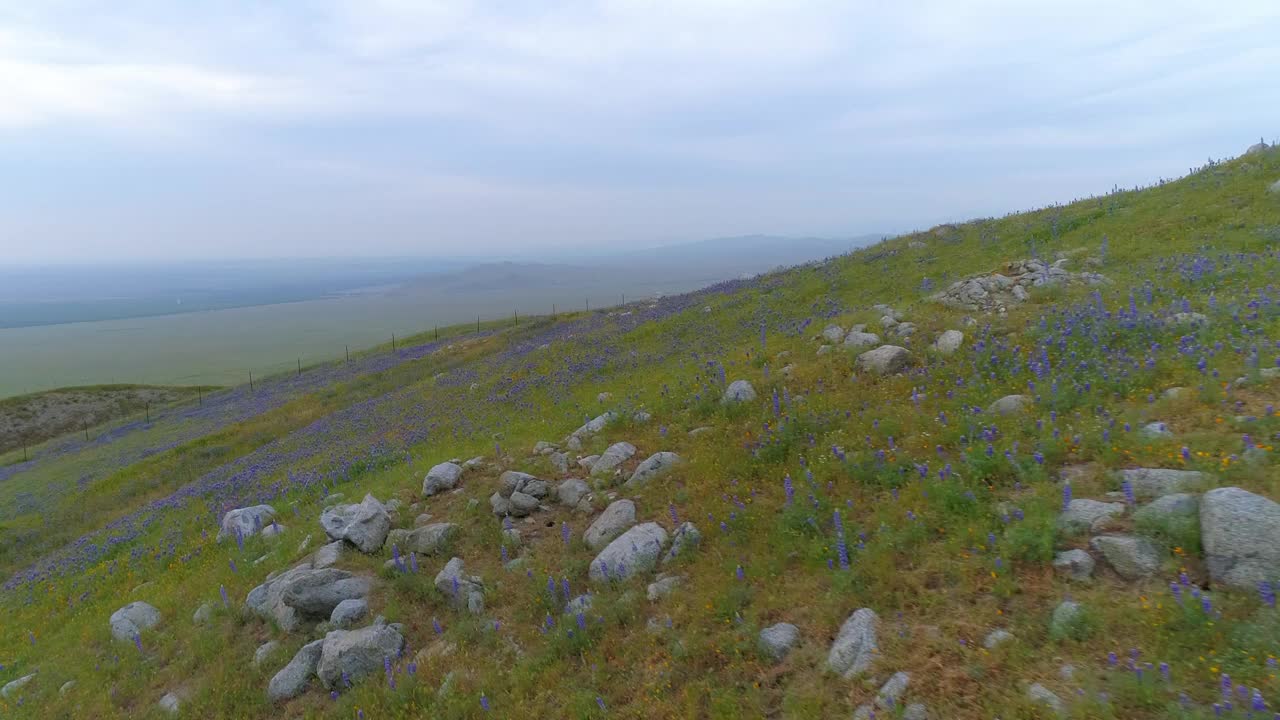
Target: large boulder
x=654, y=467
x=1065, y=616
x=592, y=427
x=1010, y=405
x=246, y=521
x=14, y=686
x=615, y=520
x=777, y=640
x=884, y=360
x=444, y=476
x=636, y=550
x=948, y=342
x=617, y=454
x=855, y=645
x=292, y=679
x=739, y=391
x=349, y=612
x=1084, y=514
x=130, y=620
x=572, y=491
x=1132, y=557
x=304, y=594
x=426, y=540
x=348, y=656
x=833, y=333
x=1157, y=482
x=463, y=590
x=364, y=525
x=1240, y=532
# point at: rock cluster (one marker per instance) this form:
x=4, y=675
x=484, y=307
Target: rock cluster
x=996, y=291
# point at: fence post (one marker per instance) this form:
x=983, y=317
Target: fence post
x=250, y=381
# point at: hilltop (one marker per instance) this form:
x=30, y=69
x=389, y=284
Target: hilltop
x=1015, y=467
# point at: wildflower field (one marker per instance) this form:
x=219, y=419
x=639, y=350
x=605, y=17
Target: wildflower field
x=834, y=489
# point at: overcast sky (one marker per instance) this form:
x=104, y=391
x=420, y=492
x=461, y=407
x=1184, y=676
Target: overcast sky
x=228, y=128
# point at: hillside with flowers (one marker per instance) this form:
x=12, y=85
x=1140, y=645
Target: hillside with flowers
x=1019, y=467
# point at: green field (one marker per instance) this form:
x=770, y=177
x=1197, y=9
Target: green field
x=835, y=489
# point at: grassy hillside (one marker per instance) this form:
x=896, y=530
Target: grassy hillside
x=837, y=489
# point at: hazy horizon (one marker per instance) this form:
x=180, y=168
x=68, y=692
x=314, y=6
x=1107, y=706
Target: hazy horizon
x=136, y=131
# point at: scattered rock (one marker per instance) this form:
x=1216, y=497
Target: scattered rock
x=685, y=540
x=426, y=540
x=559, y=462
x=1155, y=482
x=1065, y=615
x=464, y=591
x=1132, y=557
x=1010, y=405
x=617, y=454
x=1174, y=393
x=855, y=645
x=364, y=525
x=1075, y=564
x=572, y=491
x=1042, y=695
x=15, y=685
x=1240, y=532
x=348, y=613
x=264, y=652
x=1188, y=318
x=915, y=711
x=327, y=555
x=444, y=476
x=891, y=692
x=833, y=333
x=348, y=656
x=777, y=640
x=884, y=360
x=246, y=521
x=304, y=594
x=615, y=520
x=995, y=638
x=202, y=614
x=663, y=586
x=855, y=340
x=1169, y=506
x=130, y=620
x=824, y=349
x=1085, y=514
x=1156, y=430
x=170, y=703
x=654, y=467
x=636, y=550
x=948, y=342
x=990, y=292
x=739, y=391
x=592, y=427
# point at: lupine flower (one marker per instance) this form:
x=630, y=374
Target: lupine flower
x=484, y=702
x=226, y=602
x=740, y=573
x=1128, y=492
x=1066, y=496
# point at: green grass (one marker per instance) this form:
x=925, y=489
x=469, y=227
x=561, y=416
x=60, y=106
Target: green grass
x=921, y=547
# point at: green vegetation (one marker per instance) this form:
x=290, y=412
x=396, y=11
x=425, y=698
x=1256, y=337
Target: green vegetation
x=948, y=515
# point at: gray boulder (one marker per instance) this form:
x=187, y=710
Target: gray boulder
x=617, y=454
x=304, y=594
x=739, y=391
x=1156, y=430
x=635, y=551
x=593, y=426
x=246, y=521
x=170, y=703
x=615, y=520
x=14, y=686
x=292, y=679
x=1274, y=187
x=1256, y=148
x=203, y=614
x=856, y=340
x=1042, y=695
x=352, y=655
x=426, y=540
x=884, y=360
x=327, y=555
x=777, y=640
x=349, y=612
x=948, y=342
x=855, y=645
x=444, y=476
x=685, y=540
x=522, y=504
x=891, y=692
x=1240, y=532
x=1154, y=482
x=264, y=652
x=463, y=590
x=130, y=620
x=1010, y=405
x=1075, y=564
x=1065, y=615
x=1169, y=506
x=559, y=462
x=1084, y=514
x=572, y=491
x=364, y=525
x=654, y=467
x=833, y=333
x=1132, y=557
x=996, y=638
x=663, y=586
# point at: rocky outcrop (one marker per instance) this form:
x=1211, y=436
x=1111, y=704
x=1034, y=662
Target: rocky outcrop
x=348, y=656
x=129, y=621
x=635, y=551
x=855, y=645
x=364, y=525
x=444, y=476
x=615, y=520
x=245, y=522
x=995, y=291
x=1240, y=532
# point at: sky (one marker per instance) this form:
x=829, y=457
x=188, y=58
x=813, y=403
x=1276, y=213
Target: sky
x=163, y=130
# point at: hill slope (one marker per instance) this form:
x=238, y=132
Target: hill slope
x=892, y=521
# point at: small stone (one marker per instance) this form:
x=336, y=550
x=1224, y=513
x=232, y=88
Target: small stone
x=995, y=638
x=855, y=645
x=884, y=360
x=1075, y=564
x=349, y=612
x=776, y=641
x=1065, y=615
x=948, y=342
x=663, y=586
x=1042, y=695
x=1084, y=514
x=739, y=391
x=1010, y=405
x=292, y=679
x=264, y=652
